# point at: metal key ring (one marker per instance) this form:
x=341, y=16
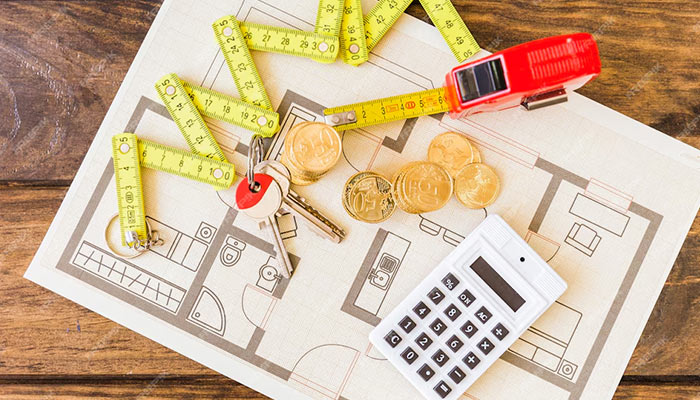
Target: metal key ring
x=140, y=248
x=255, y=156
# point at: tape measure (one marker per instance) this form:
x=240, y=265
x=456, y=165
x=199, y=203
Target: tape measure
x=187, y=118
x=132, y=214
x=329, y=17
x=388, y=109
x=219, y=174
x=381, y=17
x=235, y=49
x=318, y=47
x=353, y=44
x=452, y=27
x=225, y=108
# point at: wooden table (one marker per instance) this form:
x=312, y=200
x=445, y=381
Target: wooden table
x=61, y=63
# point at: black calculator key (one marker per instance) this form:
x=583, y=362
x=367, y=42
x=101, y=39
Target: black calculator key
x=454, y=343
x=393, y=339
x=483, y=314
x=450, y=281
x=407, y=324
x=467, y=298
x=438, y=326
x=409, y=355
x=457, y=375
x=469, y=329
x=452, y=312
x=436, y=295
x=500, y=331
x=442, y=389
x=485, y=346
x=421, y=310
x=471, y=360
x=426, y=372
x=440, y=358
x=424, y=341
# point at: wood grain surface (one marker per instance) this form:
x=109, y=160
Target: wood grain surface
x=61, y=63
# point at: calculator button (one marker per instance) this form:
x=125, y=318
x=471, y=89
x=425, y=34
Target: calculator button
x=452, y=312
x=457, y=375
x=485, y=346
x=442, y=389
x=471, y=360
x=454, y=343
x=421, y=310
x=440, y=358
x=393, y=339
x=500, y=331
x=407, y=324
x=450, y=281
x=424, y=341
x=409, y=355
x=467, y=298
x=469, y=329
x=483, y=314
x=438, y=326
x=436, y=296
x=426, y=372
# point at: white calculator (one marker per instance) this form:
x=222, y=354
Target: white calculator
x=468, y=311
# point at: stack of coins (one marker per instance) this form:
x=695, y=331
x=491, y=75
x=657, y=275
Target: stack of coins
x=421, y=187
x=311, y=149
x=367, y=197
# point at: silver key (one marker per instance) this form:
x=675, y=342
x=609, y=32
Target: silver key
x=265, y=211
x=297, y=205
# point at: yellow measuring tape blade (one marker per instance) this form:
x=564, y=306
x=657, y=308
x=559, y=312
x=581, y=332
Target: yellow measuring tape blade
x=225, y=108
x=381, y=17
x=235, y=49
x=353, y=44
x=388, y=109
x=329, y=17
x=127, y=172
x=446, y=18
x=188, y=165
x=321, y=48
x=187, y=117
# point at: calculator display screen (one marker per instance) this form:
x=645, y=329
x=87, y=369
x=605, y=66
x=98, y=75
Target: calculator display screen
x=497, y=284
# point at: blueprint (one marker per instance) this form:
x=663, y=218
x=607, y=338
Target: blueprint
x=606, y=200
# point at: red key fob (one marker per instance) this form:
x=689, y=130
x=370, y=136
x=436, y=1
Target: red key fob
x=246, y=198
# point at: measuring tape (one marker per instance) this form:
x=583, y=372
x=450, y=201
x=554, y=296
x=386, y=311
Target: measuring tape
x=127, y=172
x=353, y=44
x=219, y=174
x=329, y=17
x=381, y=17
x=452, y=27
x=225, y=108
x=187, y=118
x=235, y=49
x=388, y=109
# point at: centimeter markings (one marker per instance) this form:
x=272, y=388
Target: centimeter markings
x=329, y=17
x=380, y=19
x=389, y=109
x=230, y=38
x=187, y=117
x=219, y=174
x=353, y=44
x=225, y=108
x=127, y=173
x=453, y=29
x=318, y=47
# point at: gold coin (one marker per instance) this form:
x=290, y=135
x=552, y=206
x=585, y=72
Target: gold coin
x=423, y=187
x=298, y=177
x=313, y=147
x=477, y=185
x=453, y=152
x=367, y=197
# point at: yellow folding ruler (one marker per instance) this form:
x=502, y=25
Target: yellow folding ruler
x=318, y=47
x=388, y=109
x=127, y=172
x=219, y=174
x=329, y=17
x=353, y=44
x=452, y=27
x=381, y=17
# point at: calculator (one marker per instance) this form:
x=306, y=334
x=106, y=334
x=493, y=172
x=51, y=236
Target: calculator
x=468, y=311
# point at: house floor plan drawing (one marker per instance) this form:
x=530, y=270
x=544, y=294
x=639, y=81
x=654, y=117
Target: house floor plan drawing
x=605, y=200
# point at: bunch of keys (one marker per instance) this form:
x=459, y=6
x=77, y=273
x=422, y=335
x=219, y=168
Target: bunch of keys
x=266, y=191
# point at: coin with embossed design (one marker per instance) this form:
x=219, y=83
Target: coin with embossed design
x=453, y=151
x=367, y=197
x=313, y=147
x=422, y=187
x=477, y=186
